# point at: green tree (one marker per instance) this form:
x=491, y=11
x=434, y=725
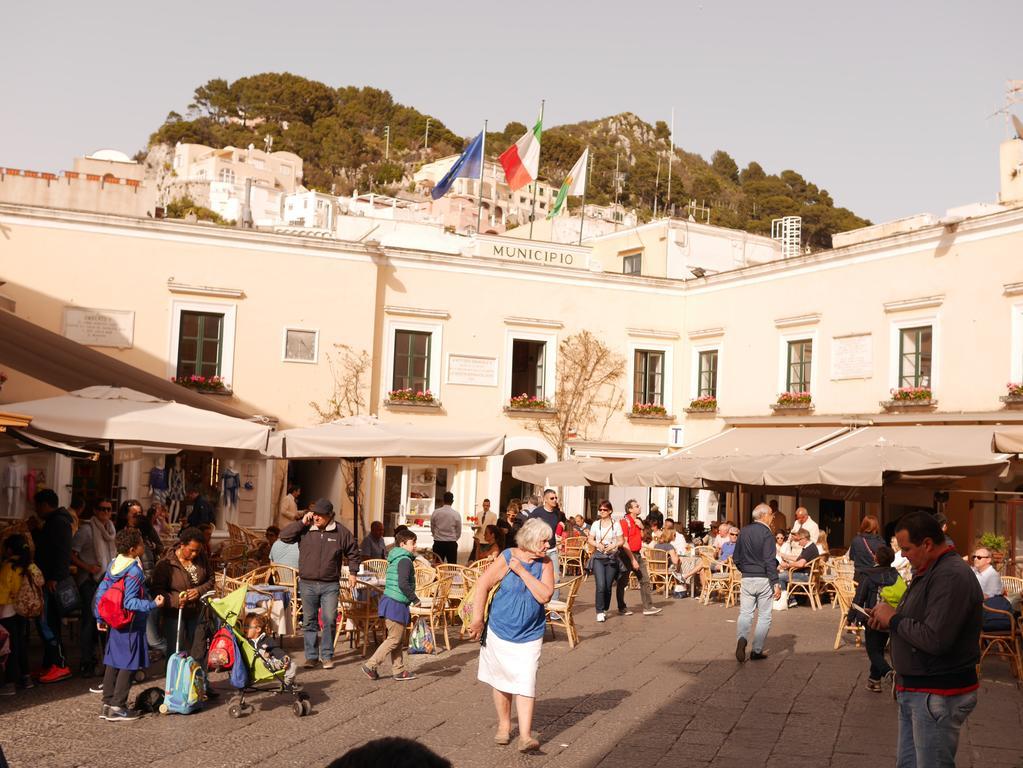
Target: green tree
x=724, y=165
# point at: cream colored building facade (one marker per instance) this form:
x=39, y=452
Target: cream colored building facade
x=937, y=305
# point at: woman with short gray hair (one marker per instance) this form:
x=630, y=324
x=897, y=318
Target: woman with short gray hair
x=512, y=635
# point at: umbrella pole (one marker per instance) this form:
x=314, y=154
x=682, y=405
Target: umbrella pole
x=113, y=488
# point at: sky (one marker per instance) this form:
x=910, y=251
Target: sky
x=886, y=105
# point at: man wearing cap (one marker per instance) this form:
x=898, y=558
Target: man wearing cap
x=322, y=542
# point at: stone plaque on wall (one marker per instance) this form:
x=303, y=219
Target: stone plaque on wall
x=852, y=357
x=100, y=327
x=473, y=371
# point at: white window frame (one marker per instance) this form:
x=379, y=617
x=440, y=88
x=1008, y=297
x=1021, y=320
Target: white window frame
x=550, y=362
x=1016, y=363
x=230, y=313
x=694, y=366
x=284, y=345
x=436, y=352
x=669, y=371
x=895, y=329
x=783, y=358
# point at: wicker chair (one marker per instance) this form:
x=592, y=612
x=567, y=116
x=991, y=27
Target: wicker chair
x=458, y=593
x=376, y=566
x=573, y=555
x=286, y=576
x=361, y=613
x=1004, y=643
x=658, y=566
x=734, y=586
x=563, y=608
x=1013, y=586
x=480, y=565
x=810, y=587
x=425, y=578
x=834, y=569
x=434, y=607
x=845, y=591
x=429, y=555
x=714, y=581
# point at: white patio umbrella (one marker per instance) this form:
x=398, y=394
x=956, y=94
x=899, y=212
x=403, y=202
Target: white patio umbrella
x=562, y=473
x=358, y=438
x=125, y=415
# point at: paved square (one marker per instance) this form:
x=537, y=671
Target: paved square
x=640, y=691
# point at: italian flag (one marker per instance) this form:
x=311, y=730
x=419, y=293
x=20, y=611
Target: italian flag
x=521, y=161
x=575, y=183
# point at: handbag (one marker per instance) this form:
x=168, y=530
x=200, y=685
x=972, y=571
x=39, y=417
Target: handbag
x=66, y=595
x=421, y=639
x=782, y=603
x=28, y=602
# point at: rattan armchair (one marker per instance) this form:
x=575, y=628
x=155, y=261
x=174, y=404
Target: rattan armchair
x=574, y=555
x=714, y=577
x=734, y=586
x=376, y=566
x=658, y=567
x=434, y=608
x=845, y=591
x=810, y=587
x=357, y=616
x=563, y=610
x=1004, y=643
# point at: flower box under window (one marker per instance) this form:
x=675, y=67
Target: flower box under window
x=793, y=401
x=207, y=384
x=910, y=397
x=526, y=402
x=410, y=396
x=704, y=404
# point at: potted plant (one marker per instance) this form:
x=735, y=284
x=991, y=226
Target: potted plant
x=526, y=402
x=794, y=400
x=911, y=394
x=409, y=395
x=1013, y=394
x=704, y=403
x=199, y=383
x=648, y=409
x=997, y=545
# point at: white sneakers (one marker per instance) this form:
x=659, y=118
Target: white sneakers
x=651, y=611
x=601, y=617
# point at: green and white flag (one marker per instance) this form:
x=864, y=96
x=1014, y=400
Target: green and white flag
x=575, y=183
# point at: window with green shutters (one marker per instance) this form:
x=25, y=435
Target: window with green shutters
x=915, y=357
x=648, y=387
x=200, y=344
x=708, y=374
x=411, y=360
x=797, y=375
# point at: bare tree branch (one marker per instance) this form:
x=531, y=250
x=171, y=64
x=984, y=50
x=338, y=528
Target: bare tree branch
x=348, y=369
x=587, y=393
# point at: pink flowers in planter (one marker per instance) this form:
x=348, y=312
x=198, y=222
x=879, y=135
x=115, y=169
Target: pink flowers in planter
x=648, y=409
x=705, y=403
x=911, y=394
x=795, y=398
x=201, y=383
x=410, y=395
x=527, y=402
x=1012, y=390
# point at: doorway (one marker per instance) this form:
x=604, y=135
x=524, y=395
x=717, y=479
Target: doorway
x=512, y=488
x=832, y=520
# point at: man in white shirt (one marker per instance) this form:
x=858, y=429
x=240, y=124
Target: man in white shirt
x=803, y=521
x=486, y=518
x=990, y=581
x=373, y=546
x=446, y=527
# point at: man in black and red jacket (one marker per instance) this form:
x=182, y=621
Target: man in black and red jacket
x=935, y=634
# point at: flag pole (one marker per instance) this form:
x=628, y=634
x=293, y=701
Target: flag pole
x=671, y=156
x=532, y=210
x=582, y=208
x=483, y=165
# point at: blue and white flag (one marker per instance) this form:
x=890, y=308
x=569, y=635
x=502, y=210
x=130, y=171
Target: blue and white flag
x=467, y=166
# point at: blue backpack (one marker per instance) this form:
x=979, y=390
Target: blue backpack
x=185, y=691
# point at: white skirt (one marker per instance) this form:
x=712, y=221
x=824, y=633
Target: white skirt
x=510, y=667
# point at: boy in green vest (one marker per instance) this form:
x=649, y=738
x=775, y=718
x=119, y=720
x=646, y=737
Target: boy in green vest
x=400, y=592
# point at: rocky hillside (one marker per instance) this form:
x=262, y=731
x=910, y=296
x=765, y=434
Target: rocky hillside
x=340, y=133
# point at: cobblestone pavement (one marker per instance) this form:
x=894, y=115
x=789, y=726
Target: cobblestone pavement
x=640, y=691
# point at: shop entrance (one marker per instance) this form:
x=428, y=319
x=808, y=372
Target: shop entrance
x=511, y=488
x=412, y=492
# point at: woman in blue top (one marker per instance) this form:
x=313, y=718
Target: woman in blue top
x=510, y=651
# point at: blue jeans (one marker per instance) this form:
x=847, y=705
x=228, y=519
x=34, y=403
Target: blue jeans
x=319, y=597
x=605, y=570
x=794, y=576
x=756, y=595
x=929, y=728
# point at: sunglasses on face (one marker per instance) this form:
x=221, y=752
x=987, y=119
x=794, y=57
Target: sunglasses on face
x=105, y=509
x=981, y=557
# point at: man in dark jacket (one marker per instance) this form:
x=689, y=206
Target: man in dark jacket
x=755, y=558
x=935, y=635
x=53, y=556
x=322, y=542
x=202, y=512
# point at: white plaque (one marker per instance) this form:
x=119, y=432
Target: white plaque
x=473, y=371
x=852, y=357
x=100, y=327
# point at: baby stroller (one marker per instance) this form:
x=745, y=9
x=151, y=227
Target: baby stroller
x=259, y=676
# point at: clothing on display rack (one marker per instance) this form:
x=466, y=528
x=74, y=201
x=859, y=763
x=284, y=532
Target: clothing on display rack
x=12, y=484
x=34, y=480
x=158, y=483
x=231, y=481
x=176, y=484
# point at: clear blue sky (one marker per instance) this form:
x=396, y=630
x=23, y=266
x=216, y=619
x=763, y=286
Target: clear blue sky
x=885, y=104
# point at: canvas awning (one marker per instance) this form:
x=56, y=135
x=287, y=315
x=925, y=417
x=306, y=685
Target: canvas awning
x=14, y=442
x=562, y=473
x=678, y=470
x=120, y=414
x=60, y=362
x=757, y=441
x=368, y=437
x=1007, y=440
x=958, y=439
